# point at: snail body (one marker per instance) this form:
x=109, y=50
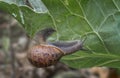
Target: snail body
x=47, y=54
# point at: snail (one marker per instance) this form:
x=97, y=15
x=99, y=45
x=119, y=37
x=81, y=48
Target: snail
x=49, y=53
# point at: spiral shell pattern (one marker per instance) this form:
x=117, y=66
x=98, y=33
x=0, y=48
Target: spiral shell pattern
x=44, y=55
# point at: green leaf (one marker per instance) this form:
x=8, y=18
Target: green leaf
x=32, y=21
x=98, y=20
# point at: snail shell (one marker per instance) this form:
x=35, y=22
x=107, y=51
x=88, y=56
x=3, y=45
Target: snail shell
x=44, y=55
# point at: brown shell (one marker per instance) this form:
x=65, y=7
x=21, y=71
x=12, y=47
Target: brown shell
x=44, y=55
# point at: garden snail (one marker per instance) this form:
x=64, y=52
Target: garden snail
x=47, y=54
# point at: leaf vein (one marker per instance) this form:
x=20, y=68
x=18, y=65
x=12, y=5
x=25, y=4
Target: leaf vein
x=116, y=5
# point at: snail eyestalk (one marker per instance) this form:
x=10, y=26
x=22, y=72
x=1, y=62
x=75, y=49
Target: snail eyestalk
x=44, y=34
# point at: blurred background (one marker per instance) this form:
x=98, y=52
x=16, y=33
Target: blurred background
x=14, y=44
